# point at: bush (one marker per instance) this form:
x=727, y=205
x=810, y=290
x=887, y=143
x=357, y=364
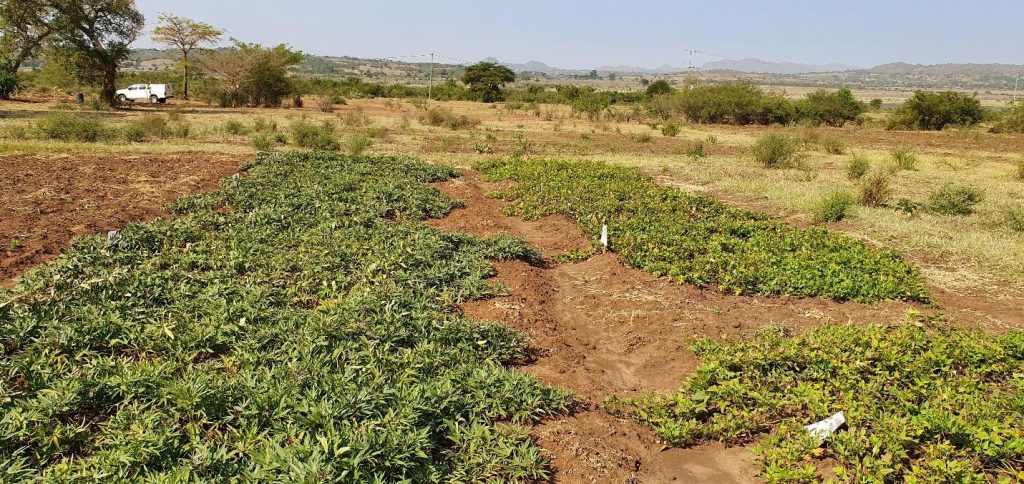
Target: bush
x=833, y=208
x=358, y=144
x=235, y=127
x=875, y=190
x=658, y=88
x=69, y=127
x=857, y=167
x=262, y=143
x=325, y=104
x=775, y=150
x=832, y=145
x=133, y=133
x=263, y=125
x=936, y=110
x=1011, y=120
x=876, y=104
x=904, y=158
x=306, y=134
x=728, y=103
x=696, y=150
x=439, y=116
x=670, y=129
x=641, y=137
x=1013, y=219
x=1020, y=170
x=832, y=108
x=955, y=199
x=9, y=82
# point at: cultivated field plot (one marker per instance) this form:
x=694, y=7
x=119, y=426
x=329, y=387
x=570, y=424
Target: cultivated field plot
x=327, y=316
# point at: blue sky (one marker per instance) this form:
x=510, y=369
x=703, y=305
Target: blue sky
x=649, y=33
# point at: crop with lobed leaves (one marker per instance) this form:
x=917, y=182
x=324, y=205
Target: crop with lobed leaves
x=295, y=326
x=924, y=402
x=698, y=240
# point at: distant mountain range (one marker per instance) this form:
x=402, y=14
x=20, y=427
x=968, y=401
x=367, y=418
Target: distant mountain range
x=895, y=75
x=768, y=67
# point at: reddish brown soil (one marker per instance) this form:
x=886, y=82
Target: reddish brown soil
x=602, y=329
x=49, y=200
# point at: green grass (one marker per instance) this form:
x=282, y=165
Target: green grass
x=924, y=402
x=296, y=325
x=698, y=240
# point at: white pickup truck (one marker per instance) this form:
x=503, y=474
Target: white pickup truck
x=154, y=93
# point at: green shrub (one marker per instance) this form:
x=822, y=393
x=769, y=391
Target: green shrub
x=264, y=125
x=1011, y=120
x=378, y=132
x=70, y=127
x=727, y=103
x=262, y=143
x=439, y=116
x=833, y=208
x=876, y=104
x=832, y=145
x=775, y=150
x=358, y=144
x=641, y=137
x=696, y=150
x=832, y=108
x=1013, y=219
x=670, y=129
x=133, y=133
x=307, y=134
x=936, y=110
x=875, y=190
x=713, y=245
x=955, y=199
x=924, y=402
x=857, y=167
x=1020, y=170
x=904, y=158
x=9, y=82
x=235, y=127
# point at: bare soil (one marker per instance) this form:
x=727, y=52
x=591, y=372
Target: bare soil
x=601, y=328
x=49, y=200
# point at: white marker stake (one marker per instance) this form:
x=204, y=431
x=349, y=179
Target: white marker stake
x=111, y=237
x=604, y=236
x=821, y=430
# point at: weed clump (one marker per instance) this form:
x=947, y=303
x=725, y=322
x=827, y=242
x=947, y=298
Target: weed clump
x=262, y=142
x=833, y=208
x=235, y=127
x=358, y=144
x=439, y=116
x=857, y=167
x=955, y=199
x=875, y=190
x=904, y=158
x=832, y=145
x=70, y=127
x=670, y=129
x=307, y=134
x=775, y=150
x=1020, y=169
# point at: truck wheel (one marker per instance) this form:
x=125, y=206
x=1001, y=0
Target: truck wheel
x=153, y=99
x=163, y=101
x=121, y=98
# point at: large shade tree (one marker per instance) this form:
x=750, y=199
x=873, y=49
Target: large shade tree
x=185, y=35
x=485, y=80
x=250, y=74
x=24, y=26
x=91, y=39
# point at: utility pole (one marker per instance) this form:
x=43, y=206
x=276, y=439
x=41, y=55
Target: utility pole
x=1015, y=83
x=690, y=61
x=430, y=85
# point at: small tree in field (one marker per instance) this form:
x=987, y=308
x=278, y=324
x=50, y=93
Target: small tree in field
x=184, y=34
x=658, y=87
x=485, y=80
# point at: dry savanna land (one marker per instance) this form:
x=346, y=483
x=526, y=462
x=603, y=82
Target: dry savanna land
x=840, y=256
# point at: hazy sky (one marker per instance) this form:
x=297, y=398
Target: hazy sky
x=585, y=34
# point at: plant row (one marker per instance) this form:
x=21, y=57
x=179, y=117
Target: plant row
x=698, y=240
x=295, y=326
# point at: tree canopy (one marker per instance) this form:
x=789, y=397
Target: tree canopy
x=485, y=80
x=250, y=74
x=185, y=35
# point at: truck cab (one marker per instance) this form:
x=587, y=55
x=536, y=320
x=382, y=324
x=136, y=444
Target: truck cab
x=154, y=93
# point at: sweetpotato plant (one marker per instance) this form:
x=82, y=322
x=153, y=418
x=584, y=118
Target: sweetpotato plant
x=295, y=326
x=924, y=402
x=698, y=240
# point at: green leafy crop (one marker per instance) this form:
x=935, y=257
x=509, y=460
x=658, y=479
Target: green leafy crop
x=295, y=326
x=698, y=240
x=923, y=402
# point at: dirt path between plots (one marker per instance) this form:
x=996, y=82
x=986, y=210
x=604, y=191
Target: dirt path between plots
x=602, y=328
x=49, y=200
